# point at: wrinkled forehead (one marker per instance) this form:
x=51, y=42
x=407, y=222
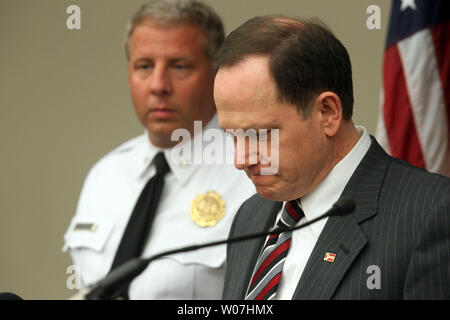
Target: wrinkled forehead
x=244, y=93
x=249, y=79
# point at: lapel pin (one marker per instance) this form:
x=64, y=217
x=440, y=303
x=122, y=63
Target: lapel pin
x=329, y=257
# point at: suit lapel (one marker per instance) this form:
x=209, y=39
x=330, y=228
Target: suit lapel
x=342, y=235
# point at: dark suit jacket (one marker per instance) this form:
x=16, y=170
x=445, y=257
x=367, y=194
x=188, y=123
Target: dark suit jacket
x=401, y=225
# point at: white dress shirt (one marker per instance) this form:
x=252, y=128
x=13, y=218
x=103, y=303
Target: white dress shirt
x=317, y=202
x=107, y=200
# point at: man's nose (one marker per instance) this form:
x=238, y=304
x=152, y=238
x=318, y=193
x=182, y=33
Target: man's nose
x=160, y=83
x=240, y=163
x=245, y=157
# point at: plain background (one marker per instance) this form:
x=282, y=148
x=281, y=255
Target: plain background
x=64, y=103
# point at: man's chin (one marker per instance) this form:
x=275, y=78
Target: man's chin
x=266, y=187
x=269, y=194
x=160, y=134
x=262, y=180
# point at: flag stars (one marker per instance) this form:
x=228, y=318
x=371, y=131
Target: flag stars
x=408, y=4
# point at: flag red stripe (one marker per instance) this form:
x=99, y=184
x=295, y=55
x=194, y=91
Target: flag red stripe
x=397, y=111
x=441, y=36
x=275, y=280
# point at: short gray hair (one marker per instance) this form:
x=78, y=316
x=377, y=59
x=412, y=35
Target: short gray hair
x=173, y=12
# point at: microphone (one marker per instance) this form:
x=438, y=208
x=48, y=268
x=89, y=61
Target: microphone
x=122, y=275
x=9, y=296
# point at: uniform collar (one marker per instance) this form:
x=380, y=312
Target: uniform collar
x=181, y=167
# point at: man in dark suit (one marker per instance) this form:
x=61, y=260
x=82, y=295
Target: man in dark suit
x=293, y=78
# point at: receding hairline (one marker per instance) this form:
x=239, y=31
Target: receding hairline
x=272, y=36
x=280, y=20
x=158, y=23
x=295, y=23
x=166, y=25
x=173, y=13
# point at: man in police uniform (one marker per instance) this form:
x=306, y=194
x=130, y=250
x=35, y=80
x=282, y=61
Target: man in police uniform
x=169, y=48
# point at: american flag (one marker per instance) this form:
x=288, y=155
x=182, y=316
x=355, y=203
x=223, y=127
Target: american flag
x=414, y=118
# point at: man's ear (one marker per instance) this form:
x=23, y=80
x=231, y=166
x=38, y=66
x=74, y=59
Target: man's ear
x=330, y=109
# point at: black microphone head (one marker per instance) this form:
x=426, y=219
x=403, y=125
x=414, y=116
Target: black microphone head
x=344, y=205
x=9, y=296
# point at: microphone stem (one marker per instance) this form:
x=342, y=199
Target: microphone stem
x=131, y=269
x=238, y=239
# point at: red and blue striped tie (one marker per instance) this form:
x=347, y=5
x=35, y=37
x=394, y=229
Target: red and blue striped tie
x=267, y=274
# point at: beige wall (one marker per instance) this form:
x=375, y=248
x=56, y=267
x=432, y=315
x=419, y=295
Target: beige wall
x=64, y=103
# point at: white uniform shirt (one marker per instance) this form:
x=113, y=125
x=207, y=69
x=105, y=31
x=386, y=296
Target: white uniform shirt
x=107, y=200
x=314, y=204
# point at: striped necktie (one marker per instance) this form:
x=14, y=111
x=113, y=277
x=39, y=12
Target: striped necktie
x=267, y=273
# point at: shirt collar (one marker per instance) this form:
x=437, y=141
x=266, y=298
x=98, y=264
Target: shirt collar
x=181, y=167
x=322, y=198
x=144, y=154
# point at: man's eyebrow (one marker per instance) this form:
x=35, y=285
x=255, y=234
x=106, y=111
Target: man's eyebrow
x=142, y=60
x=172, y=60
x=268, y=124
x=257, y=129
x=180, y=59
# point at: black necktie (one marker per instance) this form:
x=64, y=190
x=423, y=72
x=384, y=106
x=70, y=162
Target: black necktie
x=136, y=233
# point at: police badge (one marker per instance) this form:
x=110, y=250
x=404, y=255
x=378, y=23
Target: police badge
x=207, y=209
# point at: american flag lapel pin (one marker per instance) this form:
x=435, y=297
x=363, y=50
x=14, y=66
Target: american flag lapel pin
x=329, y=257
